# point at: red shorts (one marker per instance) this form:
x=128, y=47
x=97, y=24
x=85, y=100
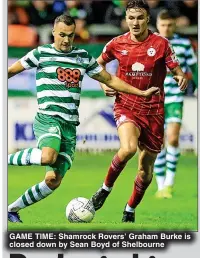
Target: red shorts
x=151, y=127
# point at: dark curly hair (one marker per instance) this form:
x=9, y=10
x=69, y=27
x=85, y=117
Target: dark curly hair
x=137, y=4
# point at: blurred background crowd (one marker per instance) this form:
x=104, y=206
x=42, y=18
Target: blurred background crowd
x=96, y=20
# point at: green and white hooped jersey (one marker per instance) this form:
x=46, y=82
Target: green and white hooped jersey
x=59, y=77
x=185, y=54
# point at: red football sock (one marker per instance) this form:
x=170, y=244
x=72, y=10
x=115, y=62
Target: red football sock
x=114, y=171
x=138, y=192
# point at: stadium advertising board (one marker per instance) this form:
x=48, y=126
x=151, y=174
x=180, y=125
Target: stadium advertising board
x=97, y=129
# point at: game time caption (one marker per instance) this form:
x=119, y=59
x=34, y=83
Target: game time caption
x=100, y=236
x=93, y=240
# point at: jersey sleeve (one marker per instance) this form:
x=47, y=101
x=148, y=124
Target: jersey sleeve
x=190, y=56
x=108, y=50
x=171, y=60
x=31, y=59
x=93, y=67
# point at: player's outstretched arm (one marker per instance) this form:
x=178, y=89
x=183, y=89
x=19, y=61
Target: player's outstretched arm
x=107, y=90
x=180, y=77
x=15, y=69
x=117, y=84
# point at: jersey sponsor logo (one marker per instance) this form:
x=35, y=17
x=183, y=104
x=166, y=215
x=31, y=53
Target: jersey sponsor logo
x=71, y=77
x=151, y=51
x=138, y=71
x=138, y=67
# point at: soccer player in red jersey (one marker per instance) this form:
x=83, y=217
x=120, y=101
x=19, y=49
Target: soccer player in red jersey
x=143, y=57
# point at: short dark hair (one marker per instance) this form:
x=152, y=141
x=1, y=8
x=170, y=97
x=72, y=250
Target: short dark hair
x=66, y=19
x=137, y=4
x=165, y=15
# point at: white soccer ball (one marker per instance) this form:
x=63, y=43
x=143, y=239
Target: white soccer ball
x=80, y=210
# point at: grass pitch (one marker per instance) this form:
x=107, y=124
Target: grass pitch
x=86, y=176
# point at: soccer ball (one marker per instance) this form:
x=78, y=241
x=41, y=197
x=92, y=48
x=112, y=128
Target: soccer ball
x=80, y=210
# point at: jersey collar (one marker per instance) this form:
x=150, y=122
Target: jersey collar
x=141, y=42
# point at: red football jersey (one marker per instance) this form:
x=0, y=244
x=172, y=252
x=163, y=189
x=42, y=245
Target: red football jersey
x=143, y=65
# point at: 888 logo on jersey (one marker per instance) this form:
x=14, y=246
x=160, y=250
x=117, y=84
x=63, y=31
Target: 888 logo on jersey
x=71, y=77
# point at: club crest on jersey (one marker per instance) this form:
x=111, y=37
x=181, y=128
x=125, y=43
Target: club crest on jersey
x=151, y=51
x=79, y=60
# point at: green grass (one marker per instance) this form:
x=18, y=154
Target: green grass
x=86, y=176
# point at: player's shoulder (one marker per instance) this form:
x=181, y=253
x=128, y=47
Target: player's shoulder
x=44, y=48
x=122, y=38
x=157, y=37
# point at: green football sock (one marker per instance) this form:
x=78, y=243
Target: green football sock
x=34, y=194
x=31, y=156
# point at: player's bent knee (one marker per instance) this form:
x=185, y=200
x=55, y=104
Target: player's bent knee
x=146, y=177
x=53, y=182
x=49, y=156
x=129, y=151
x=145, y=169
x=174, y=141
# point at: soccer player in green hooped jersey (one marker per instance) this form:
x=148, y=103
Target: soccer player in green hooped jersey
x=168, y=157
x=60, y=71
